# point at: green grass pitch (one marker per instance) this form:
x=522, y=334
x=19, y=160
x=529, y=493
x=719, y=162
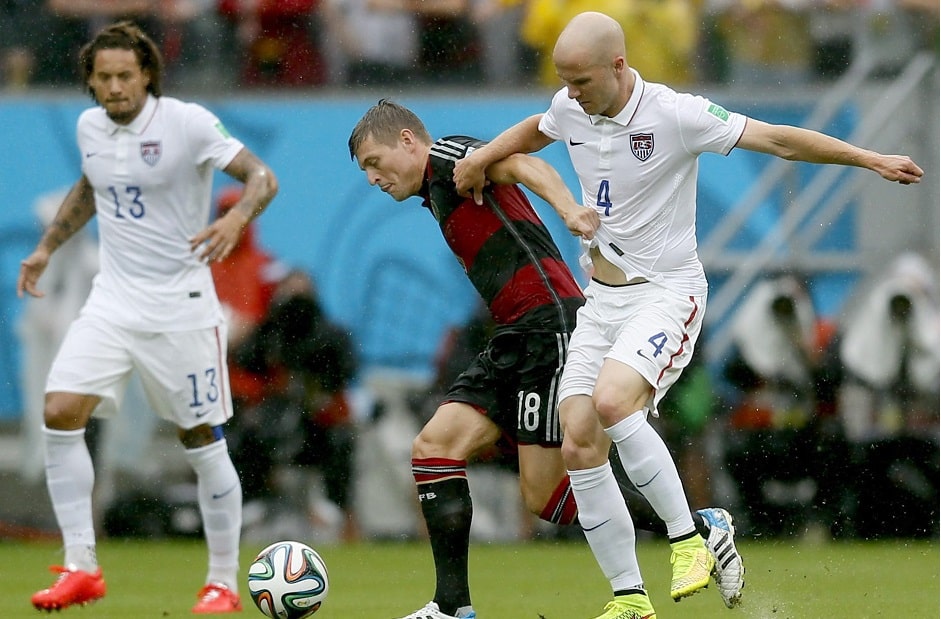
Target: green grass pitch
x=785, y=580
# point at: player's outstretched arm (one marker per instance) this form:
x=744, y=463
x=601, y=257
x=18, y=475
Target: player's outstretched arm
x=222, y=235
x=544, y=181
x=523, y=137
x=76, y=210
x=798, y=144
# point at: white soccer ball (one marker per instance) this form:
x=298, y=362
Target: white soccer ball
x=288, y=580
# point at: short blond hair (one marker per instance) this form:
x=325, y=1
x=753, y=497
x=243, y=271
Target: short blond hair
x=383, y=122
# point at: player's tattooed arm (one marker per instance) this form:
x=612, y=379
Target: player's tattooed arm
x=219, y=238
x=76, y=210
x=261, y=185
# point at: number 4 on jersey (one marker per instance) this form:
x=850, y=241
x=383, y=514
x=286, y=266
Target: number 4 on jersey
x=604, y=196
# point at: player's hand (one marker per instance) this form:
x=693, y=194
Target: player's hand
x=899, y=169
x=30, y=270
x=582, y=221
x=470, y=177
x=219, y=238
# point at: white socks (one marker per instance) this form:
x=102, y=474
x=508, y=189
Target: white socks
x=220, y=503
x=70, y=478
x=607, y=525
x=651, y=468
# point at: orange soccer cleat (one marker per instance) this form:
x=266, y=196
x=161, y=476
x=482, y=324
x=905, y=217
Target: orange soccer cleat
x=217, y=598
x=72, y=587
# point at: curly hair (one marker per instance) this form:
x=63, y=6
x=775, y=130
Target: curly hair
x=124, y=35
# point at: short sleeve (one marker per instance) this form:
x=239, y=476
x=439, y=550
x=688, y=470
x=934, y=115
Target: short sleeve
x=707, y=127
x=208, y=138
x=549, y=123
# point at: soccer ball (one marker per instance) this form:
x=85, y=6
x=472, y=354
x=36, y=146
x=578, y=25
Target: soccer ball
x=288, y=580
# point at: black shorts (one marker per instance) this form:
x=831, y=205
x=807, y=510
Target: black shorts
x=515, y=382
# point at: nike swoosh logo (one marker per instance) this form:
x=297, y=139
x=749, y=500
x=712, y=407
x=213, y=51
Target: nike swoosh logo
x=650, y=481
x=596, y=526
x=202, y=413
x=641, y=353
x=574, y=143
x=222, y=494
x=87, y=155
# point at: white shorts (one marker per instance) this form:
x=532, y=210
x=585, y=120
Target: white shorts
x=183, y=373
x=645, y=326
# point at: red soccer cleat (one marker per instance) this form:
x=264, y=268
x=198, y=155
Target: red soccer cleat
x=217, y=598
x=72, y=587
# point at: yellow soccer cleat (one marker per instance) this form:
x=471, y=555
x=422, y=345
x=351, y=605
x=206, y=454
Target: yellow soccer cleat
x=692, y=566
x=633, y=606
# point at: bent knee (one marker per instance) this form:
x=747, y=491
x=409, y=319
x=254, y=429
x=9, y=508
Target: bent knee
x=200, y=436
x=425, y=446
x=430, y=444
x=585, y=452
x=68, y=411
x=608, y=408
x=456, y=431
x=614, y=405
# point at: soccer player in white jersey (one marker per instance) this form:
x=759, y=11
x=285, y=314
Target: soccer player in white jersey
x=634, y=146
x=147, y=165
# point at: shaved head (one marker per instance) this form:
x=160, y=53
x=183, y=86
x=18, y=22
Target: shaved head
x=589, y=39
x=589, y=58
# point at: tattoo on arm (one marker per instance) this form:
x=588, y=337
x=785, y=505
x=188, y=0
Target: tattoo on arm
x=260, y=183
x=76, y=210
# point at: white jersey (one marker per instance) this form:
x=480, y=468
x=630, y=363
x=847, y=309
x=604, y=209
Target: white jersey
x=153, y=183
x=638, y=170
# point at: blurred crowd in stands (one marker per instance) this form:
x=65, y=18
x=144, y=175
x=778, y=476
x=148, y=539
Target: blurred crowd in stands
x=226, y=45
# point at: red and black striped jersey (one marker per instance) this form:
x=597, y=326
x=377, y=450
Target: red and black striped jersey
x=505, y=248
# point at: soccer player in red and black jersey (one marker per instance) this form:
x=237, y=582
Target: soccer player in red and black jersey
x=509, y=390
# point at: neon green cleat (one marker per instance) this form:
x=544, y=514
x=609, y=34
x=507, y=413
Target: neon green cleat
x=692, y=565
x=634, y=606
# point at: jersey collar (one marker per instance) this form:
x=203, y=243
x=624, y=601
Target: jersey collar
x=140, y=122
x=625, y=116
x=425, y=190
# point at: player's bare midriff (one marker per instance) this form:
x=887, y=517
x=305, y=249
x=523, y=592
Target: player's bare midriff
x=607, y=273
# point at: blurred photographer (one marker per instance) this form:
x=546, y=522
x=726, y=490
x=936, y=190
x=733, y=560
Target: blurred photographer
x=890, y=351
x=304, y=419
x=783, y=449
x=888, y=401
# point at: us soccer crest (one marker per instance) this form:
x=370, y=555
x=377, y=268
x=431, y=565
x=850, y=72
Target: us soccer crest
x=642, y=145
x=150, y=152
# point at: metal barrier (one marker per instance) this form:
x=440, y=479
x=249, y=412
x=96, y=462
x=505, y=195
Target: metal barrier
x=794, y=227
